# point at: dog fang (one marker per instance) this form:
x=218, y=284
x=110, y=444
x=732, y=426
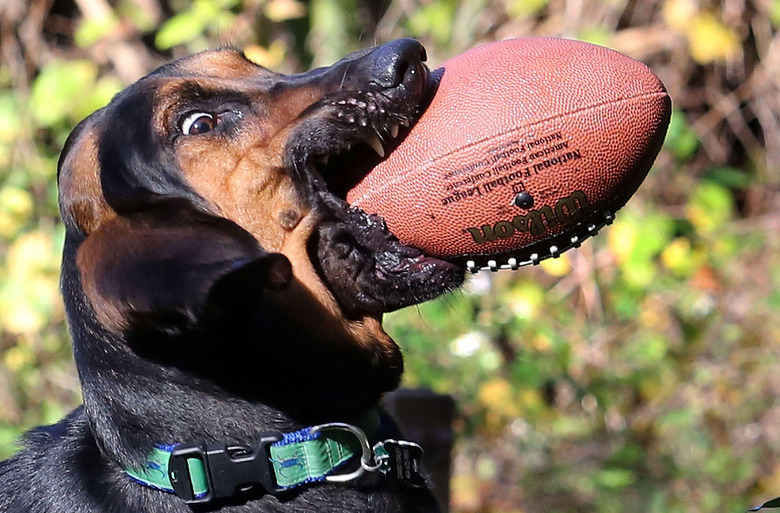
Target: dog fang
x=376, y=144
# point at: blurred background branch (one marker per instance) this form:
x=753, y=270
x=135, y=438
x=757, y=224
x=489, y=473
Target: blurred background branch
x=638, y=373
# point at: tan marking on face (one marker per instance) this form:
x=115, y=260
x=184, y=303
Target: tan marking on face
x=242, y=175
x=248, y=185
x=240, y=172
x=320, y=313
x=223, y=64
x=81, y=194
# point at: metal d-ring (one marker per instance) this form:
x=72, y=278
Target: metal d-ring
x=367, y=459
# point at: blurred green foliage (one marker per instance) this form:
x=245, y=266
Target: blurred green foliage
x=639, y=372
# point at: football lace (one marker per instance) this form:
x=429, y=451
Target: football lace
x=573, y=238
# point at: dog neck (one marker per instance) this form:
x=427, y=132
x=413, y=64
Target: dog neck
x=137, y=400
x=142, y=390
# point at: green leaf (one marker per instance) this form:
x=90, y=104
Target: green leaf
x=92, y=30
x=615, y=479
x=329, y=20
x=730, y=177
x=774, y=13
x=180, y=29
x=711, y=206
x=9, y=441
x=597, y=35
x=141, y=18
x=523, y=9
x=681, y=140
x=55, y=88
x=101, y=94
x=648, y=350
x=434, y=19
x=10, y=118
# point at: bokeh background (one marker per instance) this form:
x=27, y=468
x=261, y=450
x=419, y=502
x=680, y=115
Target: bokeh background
x=638, y=373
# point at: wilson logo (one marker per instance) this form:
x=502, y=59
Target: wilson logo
x=536, y=222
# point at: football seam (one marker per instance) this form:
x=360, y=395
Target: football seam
x=460, y=149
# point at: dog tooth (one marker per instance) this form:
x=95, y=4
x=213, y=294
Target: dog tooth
x=394, y=131
x=405, y=122
x=376, y=144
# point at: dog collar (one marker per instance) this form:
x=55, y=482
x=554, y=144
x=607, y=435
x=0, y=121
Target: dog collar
x=276, y=463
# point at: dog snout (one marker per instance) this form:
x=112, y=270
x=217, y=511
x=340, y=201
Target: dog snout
x=394, y=63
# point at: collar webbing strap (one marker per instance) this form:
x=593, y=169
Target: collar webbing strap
x=154, y=472
x=277, y=462
x=306, y=457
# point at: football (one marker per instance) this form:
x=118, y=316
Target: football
x=528, y=147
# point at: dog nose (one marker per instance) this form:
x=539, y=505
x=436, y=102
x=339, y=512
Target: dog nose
x=395, y=61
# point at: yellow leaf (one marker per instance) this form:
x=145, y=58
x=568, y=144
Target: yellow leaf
x=20, y=317
x=531, y=400
x=677, y=256
x=466, y=493
x=622, y=237
x=525, y=300
x=16, y=201
x=282, y=10
x=497, y=395
x=710, y=40
x=271, y=57
x=30, y=254
x=678, y=14
x=16, y=206
x=523, y=9
x=557, y=267
x=541, y=343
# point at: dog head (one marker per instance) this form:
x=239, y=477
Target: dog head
x=213, y=175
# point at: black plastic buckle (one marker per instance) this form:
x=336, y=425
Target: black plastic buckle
x=230, y=469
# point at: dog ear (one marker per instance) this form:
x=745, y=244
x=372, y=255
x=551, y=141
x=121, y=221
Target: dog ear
x=164, y=269
x=83, y=207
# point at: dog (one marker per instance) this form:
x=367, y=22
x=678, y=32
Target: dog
x=224, y=300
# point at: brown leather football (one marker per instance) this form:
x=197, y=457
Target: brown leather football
x=528, y=147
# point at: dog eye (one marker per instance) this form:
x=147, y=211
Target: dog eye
x=198, y=123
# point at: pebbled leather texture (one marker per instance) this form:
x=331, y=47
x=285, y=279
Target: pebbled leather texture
x=575, y=125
